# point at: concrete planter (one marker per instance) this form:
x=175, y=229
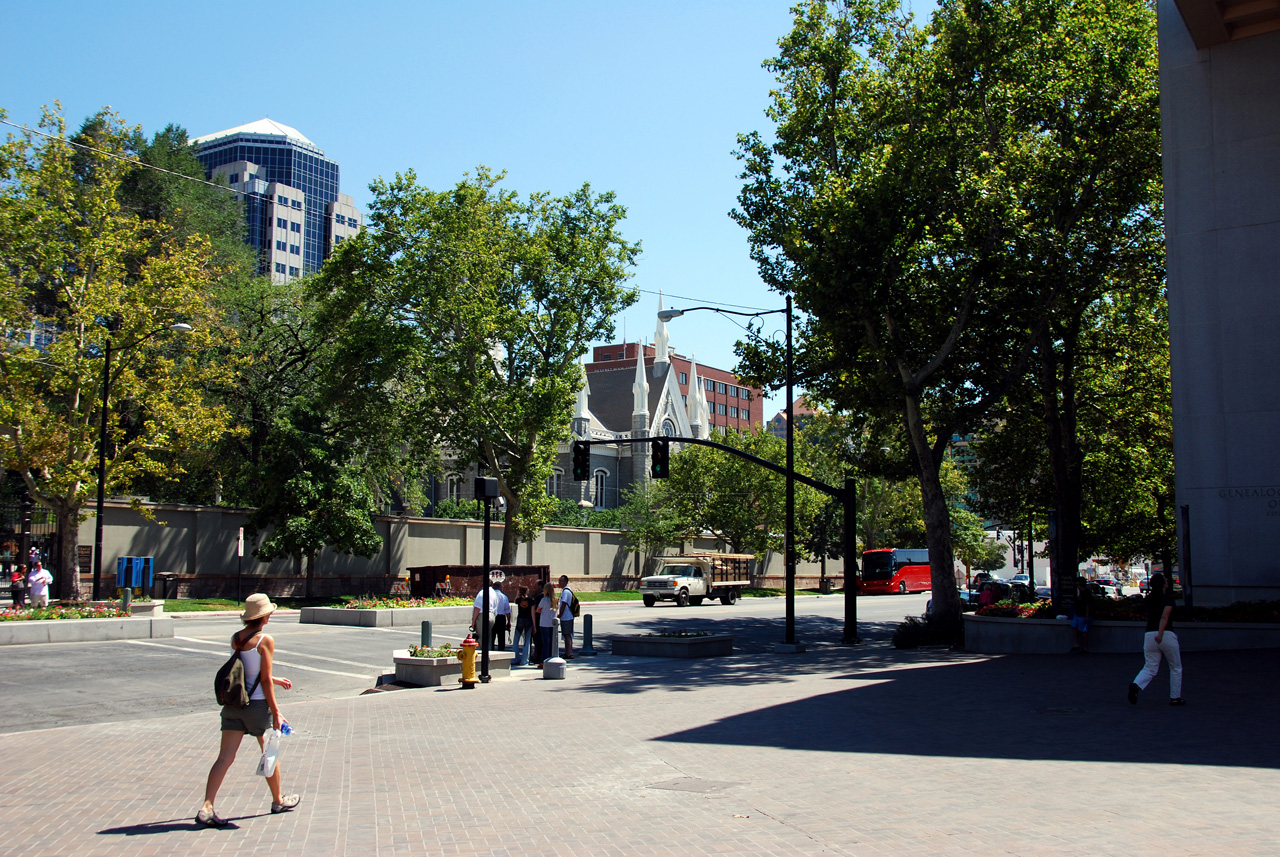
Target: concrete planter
x=147, y=609
x=392, y=617
x=84, y=630
x=713, y=646
x=997, y=636
x=432, y=672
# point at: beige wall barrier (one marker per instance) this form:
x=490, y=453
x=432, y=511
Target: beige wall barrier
x=197, y=545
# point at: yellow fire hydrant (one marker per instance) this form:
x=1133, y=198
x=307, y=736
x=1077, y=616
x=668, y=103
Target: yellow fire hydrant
x=467, y=654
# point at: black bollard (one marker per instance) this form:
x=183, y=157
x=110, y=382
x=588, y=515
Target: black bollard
x=586, y=650
x=426, y=634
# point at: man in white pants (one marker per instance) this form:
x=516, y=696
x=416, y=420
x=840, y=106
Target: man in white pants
x=1160, y=641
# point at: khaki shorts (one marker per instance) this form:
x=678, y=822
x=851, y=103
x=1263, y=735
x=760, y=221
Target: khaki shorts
x=253, y=720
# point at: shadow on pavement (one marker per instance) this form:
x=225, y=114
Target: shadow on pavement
x=169, y=826
x=1062, y=707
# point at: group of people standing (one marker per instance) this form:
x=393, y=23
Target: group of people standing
x=541, y=611
x=37, y=583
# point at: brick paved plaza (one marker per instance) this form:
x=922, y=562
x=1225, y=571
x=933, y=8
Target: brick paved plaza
x=864, y=751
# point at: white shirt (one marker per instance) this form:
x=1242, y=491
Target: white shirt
x=546, y=614
x=40, y=580
x=566, y=598
x=499, y=604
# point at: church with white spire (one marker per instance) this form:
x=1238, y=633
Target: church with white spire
x=635, y=391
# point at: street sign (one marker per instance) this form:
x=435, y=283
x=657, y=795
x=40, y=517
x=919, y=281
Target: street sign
x=240, y=543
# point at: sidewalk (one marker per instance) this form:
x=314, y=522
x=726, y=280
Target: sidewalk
x=837, y=751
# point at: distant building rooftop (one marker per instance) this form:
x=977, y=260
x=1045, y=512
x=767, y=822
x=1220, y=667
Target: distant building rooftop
x=268, y=128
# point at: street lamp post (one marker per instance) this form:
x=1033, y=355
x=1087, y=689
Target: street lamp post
x=102, y=449
x=789, y=643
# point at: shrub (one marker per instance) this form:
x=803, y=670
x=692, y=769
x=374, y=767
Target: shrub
x=63, y=611
x=928, y=630
x=380, y=602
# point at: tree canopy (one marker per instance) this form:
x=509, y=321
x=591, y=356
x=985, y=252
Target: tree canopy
x=460, y=317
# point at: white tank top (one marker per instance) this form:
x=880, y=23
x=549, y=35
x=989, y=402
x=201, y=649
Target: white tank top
x=252, y=659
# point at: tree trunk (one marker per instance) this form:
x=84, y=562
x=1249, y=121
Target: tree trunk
x=67, y=585
x=1066, y=462
x=510, y=538
x=311, y=573
x=937, y=519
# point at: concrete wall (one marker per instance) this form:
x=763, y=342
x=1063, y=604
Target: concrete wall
x=1220, y=112
x=200, y=543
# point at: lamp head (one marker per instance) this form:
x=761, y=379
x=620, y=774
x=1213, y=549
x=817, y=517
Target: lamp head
x=181, y=327
x=668, y=314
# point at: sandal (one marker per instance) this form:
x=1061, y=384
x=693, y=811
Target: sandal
x=286, y=803
x=210, y=819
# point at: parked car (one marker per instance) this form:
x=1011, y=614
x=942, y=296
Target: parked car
x=1044, y=592
x=1100, y=591
x=1024, y=579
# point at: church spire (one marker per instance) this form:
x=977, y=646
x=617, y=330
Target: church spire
x=660, y=338
x=696, y=406
x=641, y=387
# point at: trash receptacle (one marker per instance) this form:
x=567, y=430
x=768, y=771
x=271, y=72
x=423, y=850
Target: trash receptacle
x=160, y=586
x=825, y=586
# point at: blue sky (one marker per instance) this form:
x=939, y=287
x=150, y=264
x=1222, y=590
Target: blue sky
x=644, y=99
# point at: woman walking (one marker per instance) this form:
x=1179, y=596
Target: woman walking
x=546, y=621
x=257, y=651
x=1160, y=641
x=524, y=627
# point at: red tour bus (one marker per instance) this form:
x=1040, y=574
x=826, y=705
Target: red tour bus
x=900, y=570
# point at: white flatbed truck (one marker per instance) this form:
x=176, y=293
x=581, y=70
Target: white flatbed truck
x=693, y=578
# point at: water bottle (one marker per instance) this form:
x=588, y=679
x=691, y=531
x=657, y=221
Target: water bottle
x=285, y=728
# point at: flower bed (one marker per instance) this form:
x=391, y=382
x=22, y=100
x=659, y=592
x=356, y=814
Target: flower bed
x=433, y=671
x=63, y=611
x=1133, y=609
x=381, y=602
x=386, y=616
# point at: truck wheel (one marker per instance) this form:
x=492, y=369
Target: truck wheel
x=696, y=600
x=682, y=598
x=729, y=598
x=649, y=601
x=902, y=588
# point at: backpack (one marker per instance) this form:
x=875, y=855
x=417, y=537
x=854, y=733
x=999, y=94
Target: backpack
x=575, y=609
x=228, y=684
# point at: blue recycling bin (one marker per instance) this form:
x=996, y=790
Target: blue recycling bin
x=134, y=572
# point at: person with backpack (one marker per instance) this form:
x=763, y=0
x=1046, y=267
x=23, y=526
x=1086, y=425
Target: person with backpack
x=569, y=610
x=255, y=652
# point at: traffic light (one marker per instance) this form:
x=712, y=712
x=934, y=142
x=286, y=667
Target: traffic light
x=660, y=461
x=581, y=461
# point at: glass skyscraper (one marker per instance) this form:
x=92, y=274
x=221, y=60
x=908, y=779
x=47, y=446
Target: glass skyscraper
x=294, y=212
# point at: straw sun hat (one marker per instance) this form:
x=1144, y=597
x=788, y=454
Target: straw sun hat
x=256, y=606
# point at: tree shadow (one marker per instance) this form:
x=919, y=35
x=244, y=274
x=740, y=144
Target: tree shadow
x=1057, y=707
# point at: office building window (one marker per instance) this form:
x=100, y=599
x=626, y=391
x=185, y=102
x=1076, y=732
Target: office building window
x=622, y=355
x=283, y=200
x=711, y=385
x=296, y=203
x=282, y=223
x=733, y=392
x=295, y=249
x=295, y=227
x=720, y=409
x=340, y=218
x=235, y=177
x=281, y=245
x=279, y=267
x=733, y=412
x=721, y=388
x=294, y=272
x=337, y=239
x=684, y=377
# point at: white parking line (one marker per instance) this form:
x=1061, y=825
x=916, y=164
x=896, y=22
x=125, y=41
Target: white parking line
x=294, y=655
x=289, y=664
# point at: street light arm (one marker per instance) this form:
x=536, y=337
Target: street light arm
x=668, y=314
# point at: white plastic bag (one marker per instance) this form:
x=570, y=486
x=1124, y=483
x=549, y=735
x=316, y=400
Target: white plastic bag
x=270, y=753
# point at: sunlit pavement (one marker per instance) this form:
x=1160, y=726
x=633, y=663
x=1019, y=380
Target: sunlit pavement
x=856, y=751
